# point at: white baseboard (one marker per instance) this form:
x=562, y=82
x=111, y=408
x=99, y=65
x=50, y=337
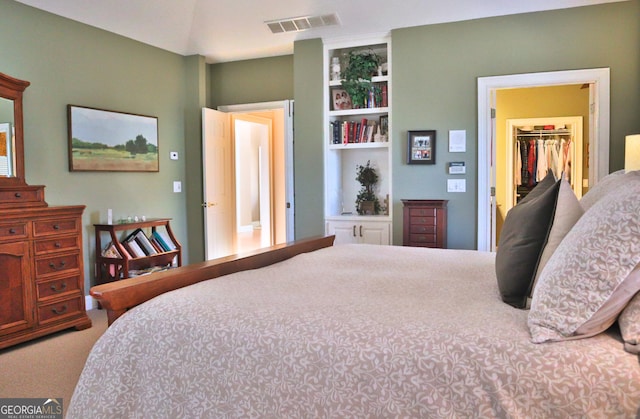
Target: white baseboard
x=90, y=303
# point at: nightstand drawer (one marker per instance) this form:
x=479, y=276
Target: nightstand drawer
x=57, y=264
x=12, y=231
x=57, y=287
x=60, y=309
x=56, y=226
x=58, y=244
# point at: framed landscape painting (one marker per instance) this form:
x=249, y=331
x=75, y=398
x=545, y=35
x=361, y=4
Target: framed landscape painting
x=109, y=141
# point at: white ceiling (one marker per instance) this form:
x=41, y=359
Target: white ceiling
x=231, y=30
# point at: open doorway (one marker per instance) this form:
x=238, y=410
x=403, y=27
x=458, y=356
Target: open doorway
x=248, y=174
x=598, y=151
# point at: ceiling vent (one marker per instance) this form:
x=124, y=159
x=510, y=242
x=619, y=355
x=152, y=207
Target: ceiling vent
x=297, y=24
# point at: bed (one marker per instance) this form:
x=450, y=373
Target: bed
x=311, y=330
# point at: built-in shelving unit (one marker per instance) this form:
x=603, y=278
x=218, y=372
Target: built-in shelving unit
x=344, y=153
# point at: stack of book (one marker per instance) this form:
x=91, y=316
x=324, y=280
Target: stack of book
x=139, y=245
x=347, y=132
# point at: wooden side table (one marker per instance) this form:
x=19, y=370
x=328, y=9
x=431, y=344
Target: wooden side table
x=425, y=223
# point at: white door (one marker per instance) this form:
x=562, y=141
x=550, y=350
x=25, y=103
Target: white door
x=218, y=194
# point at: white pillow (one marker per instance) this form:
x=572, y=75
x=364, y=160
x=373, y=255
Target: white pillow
x=606, y=185
x=588, y=266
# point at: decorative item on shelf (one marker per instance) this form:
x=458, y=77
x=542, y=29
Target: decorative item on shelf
x=335, y=69
x=356, y=78
x=367, y=202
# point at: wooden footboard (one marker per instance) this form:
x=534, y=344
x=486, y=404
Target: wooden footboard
x=120, y=296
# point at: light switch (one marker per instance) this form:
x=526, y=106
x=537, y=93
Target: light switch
x=456, y=185
x=177, y=186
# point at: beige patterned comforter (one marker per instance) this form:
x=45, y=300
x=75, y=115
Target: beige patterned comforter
x=354, y=331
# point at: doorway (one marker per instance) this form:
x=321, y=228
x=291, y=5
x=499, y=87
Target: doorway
x=259, y=198
x=598, y=160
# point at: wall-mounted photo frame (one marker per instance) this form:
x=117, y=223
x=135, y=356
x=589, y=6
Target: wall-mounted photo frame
x=340, y=100
x=110, y=141
x=421, y=147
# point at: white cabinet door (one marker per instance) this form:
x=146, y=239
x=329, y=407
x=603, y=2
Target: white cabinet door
x=369, y=232
x=374, y=232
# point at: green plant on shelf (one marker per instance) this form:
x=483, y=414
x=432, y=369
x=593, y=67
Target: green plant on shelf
x=356, y=77
x=367, y=202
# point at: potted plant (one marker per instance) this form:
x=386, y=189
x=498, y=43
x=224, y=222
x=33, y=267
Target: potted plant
x=357, y=74
x=367, y=202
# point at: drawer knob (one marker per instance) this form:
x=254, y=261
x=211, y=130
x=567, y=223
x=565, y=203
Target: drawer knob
x=53, y=265
x=12, y=231
x=18, y=195
x=63, y=287
x=62, y=309
x=58, y=245
x=56, y=227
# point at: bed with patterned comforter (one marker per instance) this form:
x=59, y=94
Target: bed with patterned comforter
x=357, y=331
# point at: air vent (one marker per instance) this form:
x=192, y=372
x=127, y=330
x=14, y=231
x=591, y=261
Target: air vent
x=297, y=24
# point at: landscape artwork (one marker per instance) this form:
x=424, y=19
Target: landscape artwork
x=101, y=140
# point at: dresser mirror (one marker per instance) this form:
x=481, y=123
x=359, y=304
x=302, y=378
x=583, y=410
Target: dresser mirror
x=11, y=131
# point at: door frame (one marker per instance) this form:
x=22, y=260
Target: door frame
x=598, y=78
x=287, y=106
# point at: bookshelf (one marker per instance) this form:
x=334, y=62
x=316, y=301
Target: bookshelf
x=119, y=258
x=354, y=135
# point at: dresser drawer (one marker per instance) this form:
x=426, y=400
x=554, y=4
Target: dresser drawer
x=12, y=231
x=60, y=309
x=57, y=244
x=422, y=229
x=23, y=196
x=423, y=239
x=58, y=287
x=422, y=212
x=55, y=226
x=57, y=264
x=422, y=221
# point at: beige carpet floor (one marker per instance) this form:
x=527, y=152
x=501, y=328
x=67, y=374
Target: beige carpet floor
x=49, y=367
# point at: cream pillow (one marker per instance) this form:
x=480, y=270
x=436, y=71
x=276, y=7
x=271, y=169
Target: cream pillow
x=629, y=322
x=606, y=185
x=588, y=266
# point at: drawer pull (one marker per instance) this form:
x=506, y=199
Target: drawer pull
x=18, y=195
x=62, y=309
x=354, y=231
x=360, y=231
x=57, y=245
x=62, y=287
x=12, y=231
x=56, y=227
x=53, y=265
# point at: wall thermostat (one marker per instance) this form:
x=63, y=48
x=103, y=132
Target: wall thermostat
x=457, y=168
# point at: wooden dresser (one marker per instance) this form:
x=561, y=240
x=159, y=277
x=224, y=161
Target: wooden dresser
x=41, y=264
x=42, y=272
x=424, y=223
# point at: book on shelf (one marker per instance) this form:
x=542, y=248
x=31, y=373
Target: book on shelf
x=134, y=248
x=165, y=240
x=145, y=243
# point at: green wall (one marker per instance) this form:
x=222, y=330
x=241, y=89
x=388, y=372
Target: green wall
x=435, y=72
x=71, y=63
x=252, y=81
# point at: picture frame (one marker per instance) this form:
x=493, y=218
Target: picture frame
x=110, y=141
x=340, y=100
x=421, y=147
